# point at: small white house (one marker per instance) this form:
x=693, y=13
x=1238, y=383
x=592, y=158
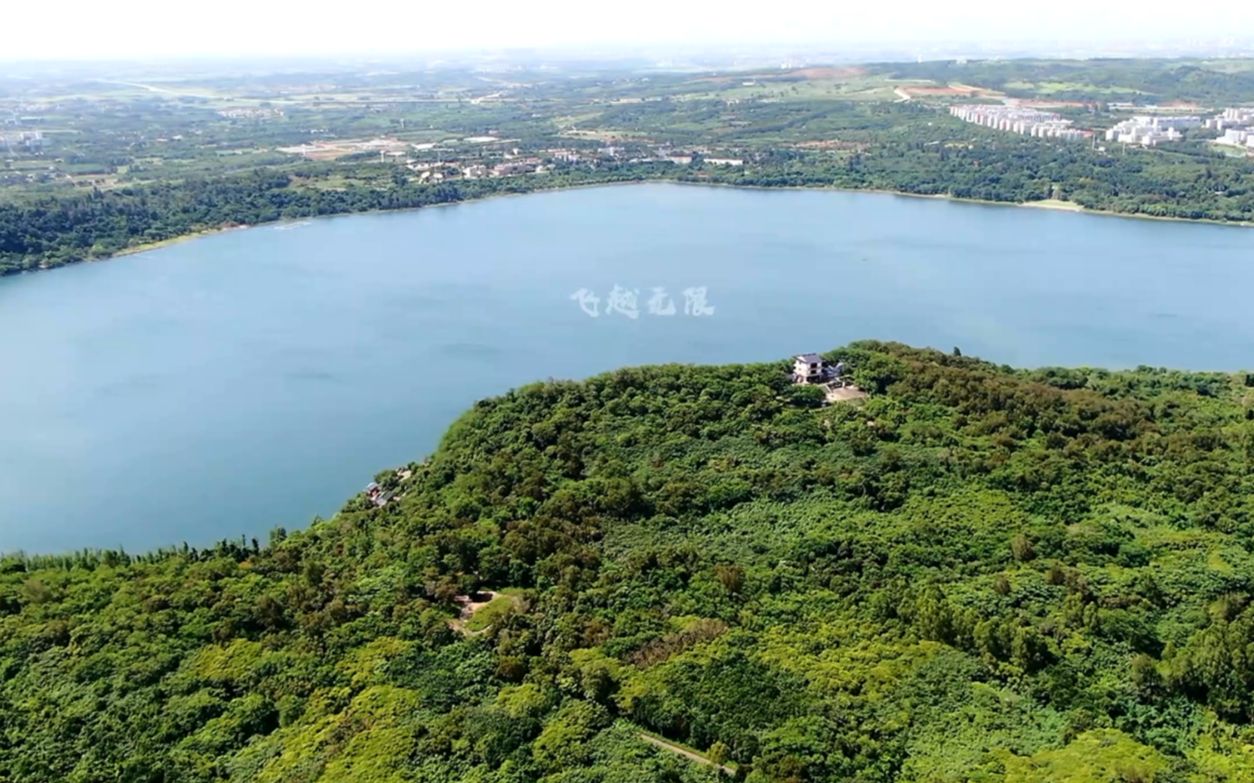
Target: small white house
x=808, y=368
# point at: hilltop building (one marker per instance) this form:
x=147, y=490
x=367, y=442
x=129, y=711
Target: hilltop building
x=813, y=368
x=837, y=386
x=808, y=368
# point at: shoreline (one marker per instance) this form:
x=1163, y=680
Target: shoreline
x=160, y=243
x=1056, y=205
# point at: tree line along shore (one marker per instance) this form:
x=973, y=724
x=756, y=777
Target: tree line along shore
x=52, y=231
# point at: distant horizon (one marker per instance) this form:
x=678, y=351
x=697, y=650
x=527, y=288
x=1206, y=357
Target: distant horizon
x=146, y=31
x=764, y=54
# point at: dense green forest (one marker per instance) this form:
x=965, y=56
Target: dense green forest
x=977, y=574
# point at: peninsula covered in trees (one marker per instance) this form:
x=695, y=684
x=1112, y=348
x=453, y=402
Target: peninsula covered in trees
x=93, y=166
x=978, y=573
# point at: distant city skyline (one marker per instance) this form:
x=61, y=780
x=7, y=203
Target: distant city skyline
x=149, y=29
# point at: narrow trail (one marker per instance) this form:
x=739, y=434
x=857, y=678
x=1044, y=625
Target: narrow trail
x=688, y=754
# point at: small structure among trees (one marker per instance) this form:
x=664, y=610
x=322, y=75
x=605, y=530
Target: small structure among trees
x=377, y=494
x=808, y=368
x=813, y=369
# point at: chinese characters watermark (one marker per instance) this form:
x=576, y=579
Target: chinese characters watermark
x=627, y=302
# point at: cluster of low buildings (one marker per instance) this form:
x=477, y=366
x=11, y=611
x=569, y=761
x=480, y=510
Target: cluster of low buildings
x=1019, y=119
x=30, y=141
x=515, y=166
x=1151, y=130
x=251, y=113
x=488, y=156
x=1235, y=126
x=688, y=158
x=512, y=165
x=666, y=154
x=516, y=162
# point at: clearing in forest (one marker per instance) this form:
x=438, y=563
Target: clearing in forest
x=480, y=610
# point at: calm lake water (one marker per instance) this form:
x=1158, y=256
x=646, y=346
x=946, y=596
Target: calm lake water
x=226, y=385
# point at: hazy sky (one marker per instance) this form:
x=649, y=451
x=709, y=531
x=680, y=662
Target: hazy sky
x=160, y=28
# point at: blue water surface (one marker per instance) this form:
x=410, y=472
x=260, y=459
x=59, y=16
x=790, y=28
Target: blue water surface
x=223, y=386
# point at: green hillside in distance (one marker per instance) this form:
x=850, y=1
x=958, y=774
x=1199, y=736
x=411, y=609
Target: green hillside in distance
x=677, y=573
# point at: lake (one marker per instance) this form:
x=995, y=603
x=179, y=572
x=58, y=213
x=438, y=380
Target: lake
x=256, y=378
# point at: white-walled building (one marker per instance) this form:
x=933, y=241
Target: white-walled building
x=1017, y=119
x=1236, y=117
x=1236, y=126
x=1234, y=136
x=1150, y=131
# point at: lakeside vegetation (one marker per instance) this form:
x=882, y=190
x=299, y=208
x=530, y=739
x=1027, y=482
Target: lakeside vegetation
x=977, y=574
x=117, y=165
x=53, y=231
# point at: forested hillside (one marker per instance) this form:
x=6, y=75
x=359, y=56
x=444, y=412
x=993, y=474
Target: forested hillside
x=977, y=574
